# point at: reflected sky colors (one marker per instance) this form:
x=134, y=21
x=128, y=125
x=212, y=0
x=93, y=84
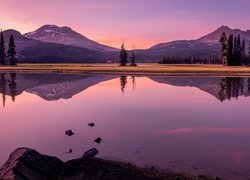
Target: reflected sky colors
x=140, y=22
x=180, y=128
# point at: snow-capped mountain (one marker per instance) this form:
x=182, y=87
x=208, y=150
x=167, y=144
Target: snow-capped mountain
x=35, y=51
x=65, y=35
x=53, y=44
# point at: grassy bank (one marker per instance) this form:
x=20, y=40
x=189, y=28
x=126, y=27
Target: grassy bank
x=141, y=69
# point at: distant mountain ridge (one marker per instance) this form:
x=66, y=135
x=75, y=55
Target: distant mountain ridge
x=207, y=45
x=65, y=35
x=54, y=44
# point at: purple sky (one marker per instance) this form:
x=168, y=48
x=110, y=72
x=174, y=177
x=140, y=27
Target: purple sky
x=142, y=22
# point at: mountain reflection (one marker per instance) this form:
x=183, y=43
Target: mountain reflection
x=52, y=87
x=226, y=88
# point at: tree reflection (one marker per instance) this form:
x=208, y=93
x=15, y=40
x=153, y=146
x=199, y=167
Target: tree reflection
x=133, y=82
x=3, y=83
x=123, y=82
x=231, y=87
x=13, y=86
x=11, y=82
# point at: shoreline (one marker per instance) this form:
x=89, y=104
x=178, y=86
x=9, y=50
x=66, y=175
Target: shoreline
x=140, y=70
x=26, y=163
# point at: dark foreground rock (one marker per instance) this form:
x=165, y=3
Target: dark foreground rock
x=25, y=163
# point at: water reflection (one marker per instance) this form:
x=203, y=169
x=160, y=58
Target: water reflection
x=232, y=87
x=13, y=86
x=52, y=87
x=150, y=126
x=123, y=82
x=226, y=88
x=3, y=83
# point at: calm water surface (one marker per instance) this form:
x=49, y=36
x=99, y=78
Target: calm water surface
x=199, y=125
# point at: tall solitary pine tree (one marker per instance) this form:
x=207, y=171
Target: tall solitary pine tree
x=123, y=56
x=12, y=51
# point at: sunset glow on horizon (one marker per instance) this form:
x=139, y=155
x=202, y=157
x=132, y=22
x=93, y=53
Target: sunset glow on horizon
x=140, y=22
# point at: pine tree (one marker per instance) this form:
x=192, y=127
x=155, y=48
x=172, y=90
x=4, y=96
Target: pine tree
x=132, y=58
x=230, y=50
x=123, y=56
x=239, y=50
x=223, y=42
x=12, y=51
x=248, y=57
x=249, y=49
x=235, y=51
x=243, y=53
x=2, y=49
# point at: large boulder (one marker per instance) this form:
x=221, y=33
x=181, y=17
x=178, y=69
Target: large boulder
x=25, y=163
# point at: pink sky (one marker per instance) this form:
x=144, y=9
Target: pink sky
x=140, y=22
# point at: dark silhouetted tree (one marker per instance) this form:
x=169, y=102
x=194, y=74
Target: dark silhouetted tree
x=235, y=51
x=249, y=49
x=223, y=43
x=239, y=50
x=2, y=49
x=248, y=54
x=132, y=58
x=230, y=50
x=123, y=56
x=12, y=51
x=243, y=53
x=13, y=86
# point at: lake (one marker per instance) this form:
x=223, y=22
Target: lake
x=199, y=125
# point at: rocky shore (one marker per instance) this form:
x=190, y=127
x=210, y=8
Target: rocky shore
x=25, y=163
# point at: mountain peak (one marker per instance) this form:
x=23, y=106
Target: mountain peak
x=213, y=38
x=223, y=28
x=65, y=35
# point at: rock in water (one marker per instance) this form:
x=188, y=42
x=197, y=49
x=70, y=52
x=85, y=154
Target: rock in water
x=69, y=133
x=25, y=163
x=98, y=140
x=90, y=153
x=91, y=124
